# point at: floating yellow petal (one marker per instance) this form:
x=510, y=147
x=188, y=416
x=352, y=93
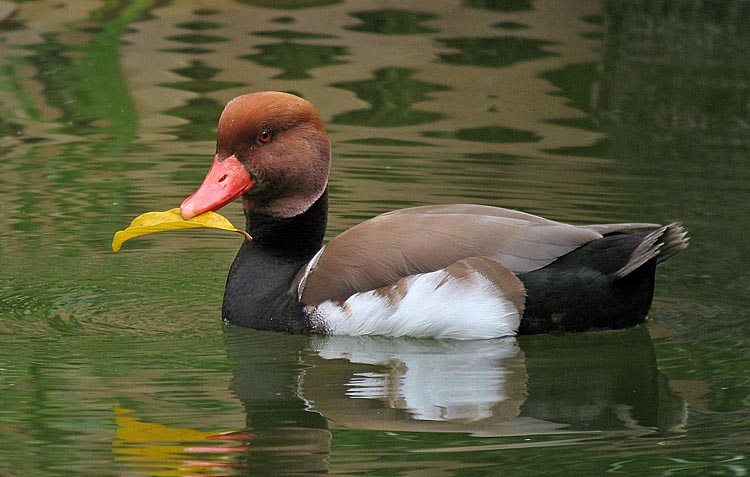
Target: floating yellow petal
x=152, y=222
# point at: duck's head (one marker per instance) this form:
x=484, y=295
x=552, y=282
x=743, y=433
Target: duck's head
x=272, y=150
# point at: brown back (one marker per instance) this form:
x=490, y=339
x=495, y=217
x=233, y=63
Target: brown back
x=381, y=250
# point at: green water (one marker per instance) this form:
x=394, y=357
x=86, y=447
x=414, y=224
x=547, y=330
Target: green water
x=118, y=364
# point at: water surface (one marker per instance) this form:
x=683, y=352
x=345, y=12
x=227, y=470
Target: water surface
x=585, y=111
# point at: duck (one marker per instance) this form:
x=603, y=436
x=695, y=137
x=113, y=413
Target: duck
x=460, y=271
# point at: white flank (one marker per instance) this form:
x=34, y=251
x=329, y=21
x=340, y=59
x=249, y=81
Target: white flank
x=435, y=305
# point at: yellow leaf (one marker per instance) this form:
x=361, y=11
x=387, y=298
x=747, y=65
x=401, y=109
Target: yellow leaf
x=152, y=222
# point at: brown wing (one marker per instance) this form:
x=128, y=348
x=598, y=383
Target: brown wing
x=472, y=209
x=406, y=242
x=487, y=210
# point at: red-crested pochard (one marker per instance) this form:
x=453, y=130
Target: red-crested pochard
x=443, y=271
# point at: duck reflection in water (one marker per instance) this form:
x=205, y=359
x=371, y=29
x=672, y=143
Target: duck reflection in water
x=302, y=389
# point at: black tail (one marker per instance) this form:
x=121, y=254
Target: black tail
x=662, y=243
x=606, y=284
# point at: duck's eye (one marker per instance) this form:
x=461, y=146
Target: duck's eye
x=265, y=136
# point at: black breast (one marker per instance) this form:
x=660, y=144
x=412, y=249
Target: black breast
x=257, y=293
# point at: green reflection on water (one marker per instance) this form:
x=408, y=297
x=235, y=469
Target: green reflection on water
x=384, y=141
x=291, y=35
x=197, y=38
x=12, y=84
x=205, y=12
x=600, y=148
x=682, y=110
x=284, y=20
x=201, y=82
x=91, y=91
x=296, y=59
x=496, y=134
x=201, y=114
x=10, y=23
x=510, y=26
x=493, y=51
x=289, y=4
x=52, y=182
x=576, y=82
x=81, y=327
x=391, y=93
x=501, y=5
x=188, y=50
x=393, y=22
x=199, y=25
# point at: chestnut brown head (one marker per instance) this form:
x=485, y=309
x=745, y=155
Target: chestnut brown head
x=273, y=151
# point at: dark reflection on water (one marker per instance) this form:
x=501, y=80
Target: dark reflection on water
x=313, y=405
x=117, y=364
x=598, y=385
x=674, y=98
x=290, y=438
x=302, y=394
x=393, y=22
x=390, y=93
x=493, y=51
x=296, y=58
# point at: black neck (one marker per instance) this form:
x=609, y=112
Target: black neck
x=257, y=294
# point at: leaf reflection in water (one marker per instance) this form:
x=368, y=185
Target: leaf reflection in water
x=167, y=451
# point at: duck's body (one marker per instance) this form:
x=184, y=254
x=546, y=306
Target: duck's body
x=456, y=271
